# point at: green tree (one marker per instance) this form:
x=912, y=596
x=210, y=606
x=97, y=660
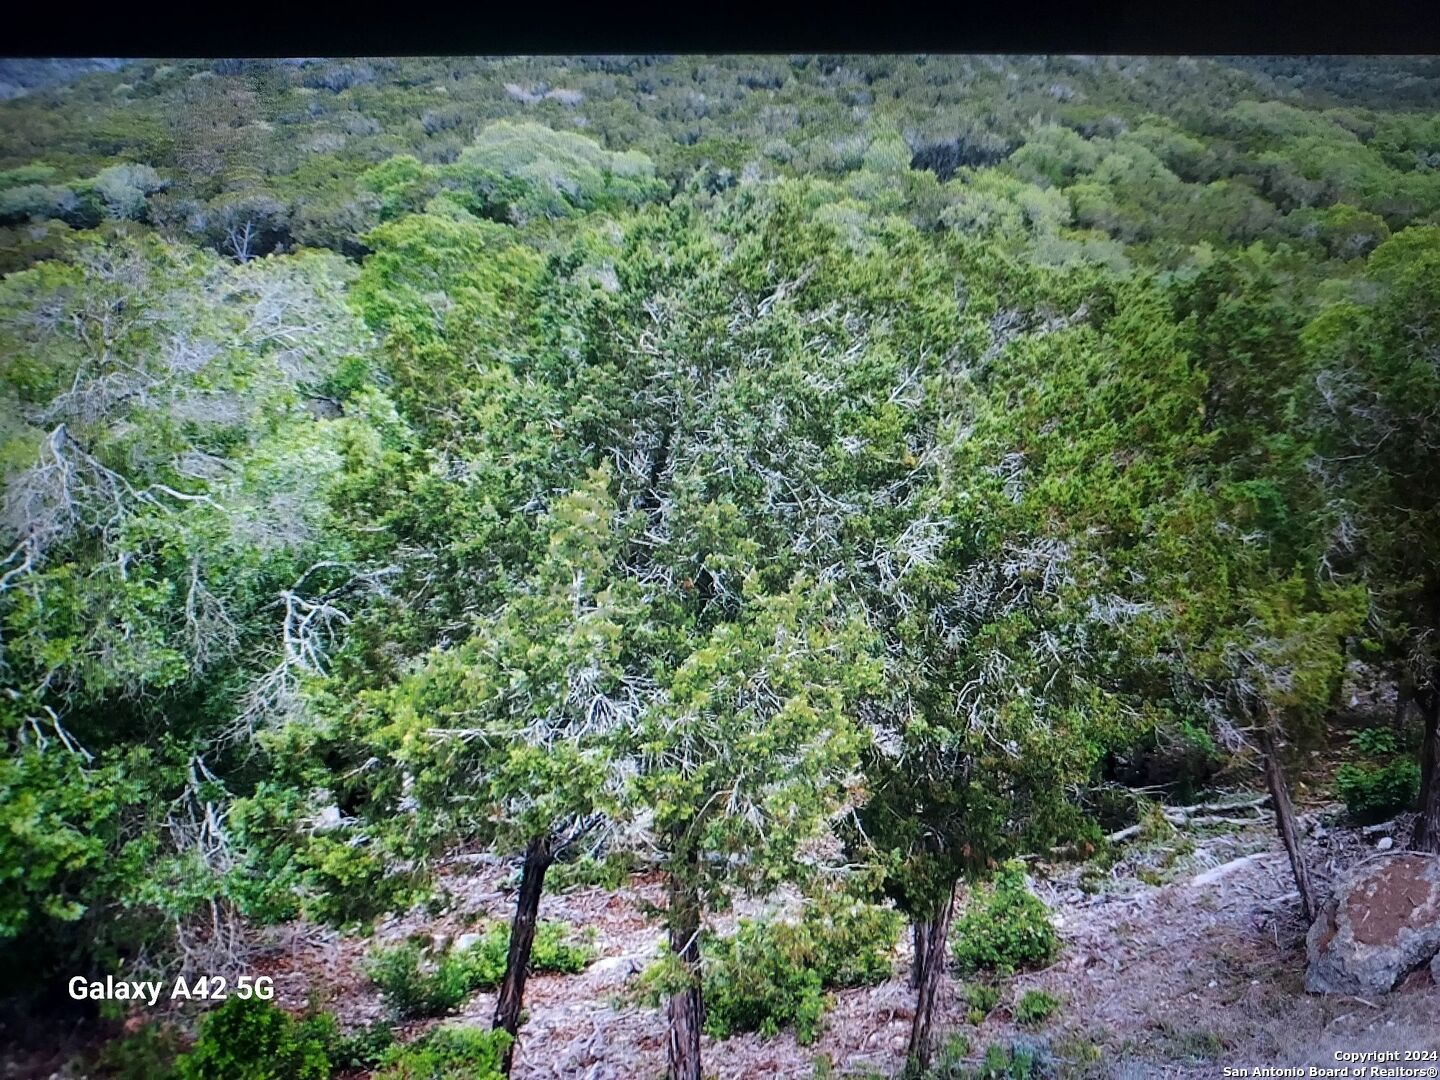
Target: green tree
x=1374, y=405
x=165, y=484
x=511, y=737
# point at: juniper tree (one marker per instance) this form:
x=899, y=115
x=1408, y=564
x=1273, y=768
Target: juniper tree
x=1159, y=434
x=998, y=635
x=512, y=737
x=1374, y=399
x=707, y=373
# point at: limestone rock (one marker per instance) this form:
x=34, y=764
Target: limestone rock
x=1382, y=923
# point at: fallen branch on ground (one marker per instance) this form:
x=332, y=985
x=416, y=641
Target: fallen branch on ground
x=1211, y=813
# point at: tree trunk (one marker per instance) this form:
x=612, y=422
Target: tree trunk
x=1427, y=827
x=522, y=937
x=1403, y=696
x=928, y=968
x=919, y=934
x=687, y=1008
x=1285, y=819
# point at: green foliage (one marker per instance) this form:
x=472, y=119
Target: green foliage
x=1377, y=792
x=982, y=999
x=559, y=172
x=1005, y=928
x=1384, y=785
x=125, y=188
x=772, y=975
x=1180, y=754
x=414, y=986
x=1035, y=1007
x=725, y=447
x=24, y=175
x=251, y=1039
x=31, y=202
x=951, y=1062
x=364, y=1048
x=1375, y=742
x=447, y=1053
x=149, y=1053
x=1013, y=1062
x=415, y=983
x=762, y=996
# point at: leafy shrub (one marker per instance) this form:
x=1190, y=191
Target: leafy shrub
x=773, y=975
x=1181, y=757
x=365, y=1048
x=1377, y=792
x=555, y=949
x=756, y=986
x=587, y=871
x=1006, y=929
x=1349, y=233
x=982, y=999
x=448, y=1053
x=951, y=1062
x=147, y=1054
x=561, y=170
x=125, y=188
x=250, y=1039
x=1376, y=742
x=24, y=175
x=1016, y=1062
x=413, y=987
x=1035, y=1007
x=244, y=224
x=1382, y=786
x=36, y=202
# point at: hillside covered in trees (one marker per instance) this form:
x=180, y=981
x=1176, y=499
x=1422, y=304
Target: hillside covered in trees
x=884, y=566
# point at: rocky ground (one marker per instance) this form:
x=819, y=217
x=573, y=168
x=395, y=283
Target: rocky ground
x=1187, y=955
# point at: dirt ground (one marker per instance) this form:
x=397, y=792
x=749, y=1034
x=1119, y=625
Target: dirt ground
x=1202, y=969
x=1184, y=956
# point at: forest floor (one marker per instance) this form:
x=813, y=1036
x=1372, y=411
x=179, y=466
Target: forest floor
x=1187, y=957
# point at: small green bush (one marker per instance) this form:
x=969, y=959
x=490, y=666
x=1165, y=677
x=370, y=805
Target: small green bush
x=1377, y=792
x=555, y=949
x=1384, y=785
x=982, y=999
x=772, y=975
x=1016, y=1062
x=751, y=987
x=250, y=1039
x=951, y=1062
x=448, y=1053
x=413, y=988
x=1035, y=1007
x=365, y=1048
x=147, y=1054
x=555, y=173
x=1376, y=742
x=1005, y=929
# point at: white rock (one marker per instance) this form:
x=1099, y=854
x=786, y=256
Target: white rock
x=1385, y=843
x=326, y=819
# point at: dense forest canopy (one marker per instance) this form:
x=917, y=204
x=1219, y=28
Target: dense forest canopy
x=819, y=472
